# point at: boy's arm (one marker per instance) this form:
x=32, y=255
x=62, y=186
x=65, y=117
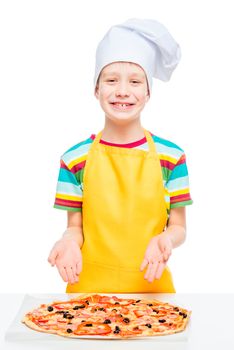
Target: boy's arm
x=176, y=228
x=74, y=227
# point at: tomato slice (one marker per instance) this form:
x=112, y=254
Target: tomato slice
x=114, y=301
x=95, y=329
x=124, y=310
x=41, y=320
x=123, y=302
x=139, y=313
x=60, y=307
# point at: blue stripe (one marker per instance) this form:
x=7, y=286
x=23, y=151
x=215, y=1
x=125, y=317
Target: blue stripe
x=73, y=148
x=168, y=151
x=166, y=142
x=67, y=176
x=70, y=189
x=179, y=171
x=178, y=184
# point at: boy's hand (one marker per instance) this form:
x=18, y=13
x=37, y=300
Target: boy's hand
x=156, y=256
x=66, y=255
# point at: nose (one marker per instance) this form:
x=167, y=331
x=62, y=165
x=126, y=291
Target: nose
x=122, y=89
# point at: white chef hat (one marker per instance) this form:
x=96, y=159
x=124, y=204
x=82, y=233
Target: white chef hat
x=145, y=42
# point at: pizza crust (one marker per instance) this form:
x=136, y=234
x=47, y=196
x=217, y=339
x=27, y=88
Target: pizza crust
x=35, y=327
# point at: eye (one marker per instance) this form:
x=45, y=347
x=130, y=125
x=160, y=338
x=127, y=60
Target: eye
x=110, y=80
x=135, y=82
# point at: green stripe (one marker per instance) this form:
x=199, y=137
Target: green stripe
x=166, y=173
x=80, y=175
x=181, y=204
x=66, y=208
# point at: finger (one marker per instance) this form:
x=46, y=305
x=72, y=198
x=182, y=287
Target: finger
x=79, y=267
x=75, y=276
x=52, y=257
x=152, y=272
x=167, y=253
x=144, y=264
x=149, y=270
x=70, y=274
x=62, y=273
x=165, y=256
x=159, y=270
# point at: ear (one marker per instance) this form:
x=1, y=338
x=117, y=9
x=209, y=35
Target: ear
x=147, y=97
x=96, y=92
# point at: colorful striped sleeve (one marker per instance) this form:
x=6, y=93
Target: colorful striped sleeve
x=68, y=192
x=178, y=184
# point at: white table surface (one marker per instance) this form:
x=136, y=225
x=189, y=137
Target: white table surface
x=211, y=326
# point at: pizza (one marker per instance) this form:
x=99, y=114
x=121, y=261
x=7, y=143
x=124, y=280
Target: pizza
x=95, y=315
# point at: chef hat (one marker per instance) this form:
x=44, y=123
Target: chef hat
x=145, y=42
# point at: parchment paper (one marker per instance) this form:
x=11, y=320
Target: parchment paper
x=18, y=331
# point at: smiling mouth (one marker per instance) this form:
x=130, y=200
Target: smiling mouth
x=122, y=106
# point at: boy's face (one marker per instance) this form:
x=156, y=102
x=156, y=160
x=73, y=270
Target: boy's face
x=122, y=91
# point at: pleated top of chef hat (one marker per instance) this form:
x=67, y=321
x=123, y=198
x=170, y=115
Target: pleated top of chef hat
x=145, y=42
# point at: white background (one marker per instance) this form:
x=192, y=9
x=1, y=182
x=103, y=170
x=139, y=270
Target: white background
x=47, y=105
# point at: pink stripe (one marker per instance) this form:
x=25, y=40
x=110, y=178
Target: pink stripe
x=78, y=167
x=181, y=160
x=68, y=203
x=63, y=165
x=126, y=145
x=167, y=164
x=180, y=198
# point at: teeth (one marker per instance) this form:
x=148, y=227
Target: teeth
x=122, y=104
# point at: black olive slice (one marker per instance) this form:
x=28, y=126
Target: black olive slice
x=69, y=317
x=107, y=321
x=77, y=307
x=148, y=325
x=161, y=320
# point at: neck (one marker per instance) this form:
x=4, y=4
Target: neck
x=114, y=133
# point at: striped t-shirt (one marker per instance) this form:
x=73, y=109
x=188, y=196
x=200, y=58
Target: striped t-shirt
x=69, y=193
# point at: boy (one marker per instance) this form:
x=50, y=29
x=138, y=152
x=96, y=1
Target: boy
x=125, y=189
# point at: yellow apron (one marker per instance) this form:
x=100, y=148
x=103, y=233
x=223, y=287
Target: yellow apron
x=123, y=208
